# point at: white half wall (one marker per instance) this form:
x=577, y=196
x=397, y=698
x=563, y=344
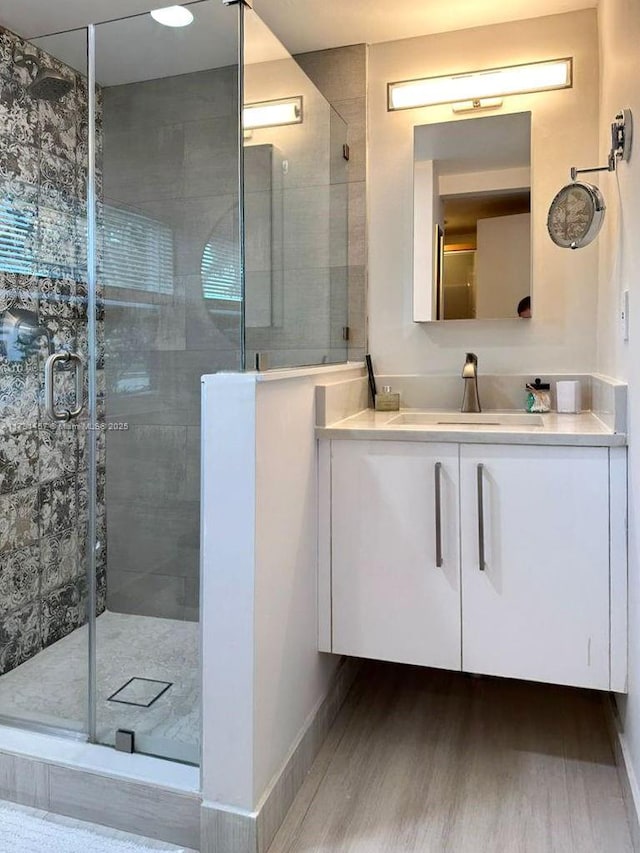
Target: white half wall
x=291, y=677
x=227, y=560
x=560, y=337
x=263, y=674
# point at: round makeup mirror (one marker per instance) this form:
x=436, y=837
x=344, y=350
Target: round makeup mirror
x=576, y=215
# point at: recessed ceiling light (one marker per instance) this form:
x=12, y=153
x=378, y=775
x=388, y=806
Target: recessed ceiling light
x=172, y=16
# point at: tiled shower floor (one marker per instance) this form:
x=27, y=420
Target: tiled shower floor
x=52, y=687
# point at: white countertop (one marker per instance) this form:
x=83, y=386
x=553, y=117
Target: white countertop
x=583, y=429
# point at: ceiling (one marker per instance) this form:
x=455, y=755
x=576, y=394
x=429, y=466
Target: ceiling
x=304, y=25
x=138, y=48
x=461, y=214
x=497, y=142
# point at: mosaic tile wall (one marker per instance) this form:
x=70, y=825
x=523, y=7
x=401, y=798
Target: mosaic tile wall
x=43, y=485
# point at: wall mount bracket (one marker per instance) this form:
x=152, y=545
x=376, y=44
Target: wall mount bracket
x=621, y=138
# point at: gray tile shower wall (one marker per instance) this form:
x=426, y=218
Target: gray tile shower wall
x=43, y=500
x=170, y=165
x=170, y=159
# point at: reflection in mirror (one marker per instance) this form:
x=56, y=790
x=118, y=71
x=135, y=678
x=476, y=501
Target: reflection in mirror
x=472, y=218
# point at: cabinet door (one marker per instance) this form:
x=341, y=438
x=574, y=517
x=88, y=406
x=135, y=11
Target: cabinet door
x=390, y=598
x=540, y=608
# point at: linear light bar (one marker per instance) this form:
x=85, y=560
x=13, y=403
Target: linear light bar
x=475, y=85
x=272, y=113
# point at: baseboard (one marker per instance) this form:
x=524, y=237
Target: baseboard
x=227, y=830
x=626, y=774
x=224, y=830
x=286, y=784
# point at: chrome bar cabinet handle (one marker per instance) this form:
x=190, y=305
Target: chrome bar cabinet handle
x=438, y=475
x=481, y=560
x=49, y=379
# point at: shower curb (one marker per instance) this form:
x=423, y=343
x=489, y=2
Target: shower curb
x=138, y=807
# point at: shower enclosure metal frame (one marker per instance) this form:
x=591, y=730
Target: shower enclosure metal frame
x=92, y=347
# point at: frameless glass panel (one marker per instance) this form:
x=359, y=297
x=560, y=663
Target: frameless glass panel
x=296, y=201
x=169, y=266
x=43, y=313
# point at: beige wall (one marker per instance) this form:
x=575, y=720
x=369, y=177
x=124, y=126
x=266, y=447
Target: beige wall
x=564, y=133
x=619, y=25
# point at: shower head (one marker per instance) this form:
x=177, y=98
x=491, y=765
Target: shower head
x=49, y=85
x=46, y=83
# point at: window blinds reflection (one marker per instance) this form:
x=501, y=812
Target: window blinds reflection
x=220, y=263
x=18, y=233
x=138, y=251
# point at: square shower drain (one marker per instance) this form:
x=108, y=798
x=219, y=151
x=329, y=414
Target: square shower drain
x=142, y=692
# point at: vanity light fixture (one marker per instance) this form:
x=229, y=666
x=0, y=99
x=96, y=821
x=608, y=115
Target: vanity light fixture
x=172, y=16
x=272, y=113
x=479, y=85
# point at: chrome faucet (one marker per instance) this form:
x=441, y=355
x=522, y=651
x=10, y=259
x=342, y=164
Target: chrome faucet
x=470, y=399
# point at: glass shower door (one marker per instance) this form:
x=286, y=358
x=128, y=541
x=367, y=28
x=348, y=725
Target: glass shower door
x=45, y=591
x=167, y=140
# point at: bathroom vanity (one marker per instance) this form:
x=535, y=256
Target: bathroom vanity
x=494, y=546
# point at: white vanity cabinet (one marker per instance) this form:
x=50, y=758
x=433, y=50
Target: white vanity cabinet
x=526, y=579
x=395, y=569
x=537, y=520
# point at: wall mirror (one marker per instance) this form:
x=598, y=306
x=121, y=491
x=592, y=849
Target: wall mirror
x=472, y=219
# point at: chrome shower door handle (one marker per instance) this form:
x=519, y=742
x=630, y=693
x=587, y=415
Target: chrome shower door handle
x=79, y=365
x=438, y=485
x=481, y=560
x=49, y=379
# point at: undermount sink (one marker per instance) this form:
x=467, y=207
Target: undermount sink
x=504, y=419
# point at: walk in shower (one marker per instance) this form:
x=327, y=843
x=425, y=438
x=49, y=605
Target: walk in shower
x=146, y=238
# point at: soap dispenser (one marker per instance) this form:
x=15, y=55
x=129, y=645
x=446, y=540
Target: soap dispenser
x=538, y=396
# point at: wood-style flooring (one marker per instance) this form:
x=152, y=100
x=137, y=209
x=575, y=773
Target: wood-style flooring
x=424, y=761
